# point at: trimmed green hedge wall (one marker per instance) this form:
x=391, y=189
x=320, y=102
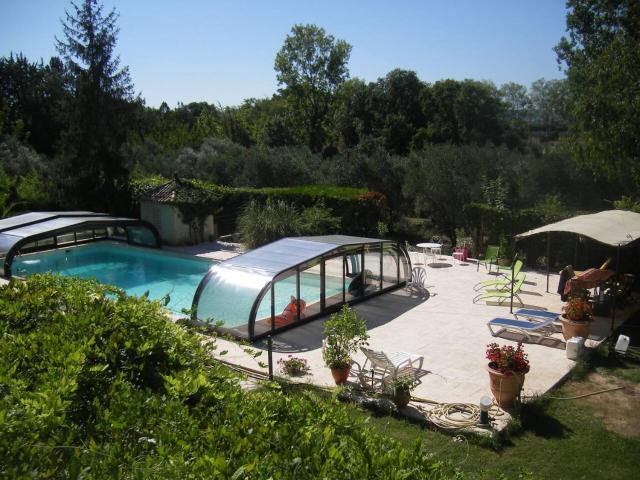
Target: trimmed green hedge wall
x=359, y=209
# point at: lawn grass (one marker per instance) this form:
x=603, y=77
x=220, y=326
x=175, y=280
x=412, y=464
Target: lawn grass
x=559, y=439
x=554, y=439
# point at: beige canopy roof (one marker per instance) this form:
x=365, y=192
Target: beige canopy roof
x=611, y=227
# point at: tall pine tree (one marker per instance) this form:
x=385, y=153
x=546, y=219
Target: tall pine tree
x=99, y=112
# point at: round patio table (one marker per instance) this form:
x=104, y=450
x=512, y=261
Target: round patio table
x=431, y=247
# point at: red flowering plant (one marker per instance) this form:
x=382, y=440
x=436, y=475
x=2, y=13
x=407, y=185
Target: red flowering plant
x=506, y=359
x=293, y=365
x=577, y=309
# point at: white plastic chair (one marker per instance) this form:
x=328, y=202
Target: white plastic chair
x=417, y=253
x=418, y=280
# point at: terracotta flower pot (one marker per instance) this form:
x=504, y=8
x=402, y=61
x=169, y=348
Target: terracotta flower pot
x=572, y=328
x=340, y=375
x=401, y=397
x=505, y=387
x=503, y=262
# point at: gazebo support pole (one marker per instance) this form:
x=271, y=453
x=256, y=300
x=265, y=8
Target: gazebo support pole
x=513, y=262
x=548, y=260
x=613, y=304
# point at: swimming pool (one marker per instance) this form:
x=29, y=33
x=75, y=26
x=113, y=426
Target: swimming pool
x=231, y=304
x=135, y=270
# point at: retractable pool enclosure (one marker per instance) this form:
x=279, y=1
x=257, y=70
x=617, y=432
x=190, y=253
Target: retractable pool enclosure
x=37, y=231
x=294, y=280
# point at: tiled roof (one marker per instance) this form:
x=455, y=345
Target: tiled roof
x=171, y=192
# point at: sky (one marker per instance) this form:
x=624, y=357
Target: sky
x=222, y=51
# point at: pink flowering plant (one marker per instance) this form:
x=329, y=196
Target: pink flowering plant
x=293, y=366
x=506, y=359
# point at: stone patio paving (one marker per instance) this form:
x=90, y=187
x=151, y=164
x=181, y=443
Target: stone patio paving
x=446, y=327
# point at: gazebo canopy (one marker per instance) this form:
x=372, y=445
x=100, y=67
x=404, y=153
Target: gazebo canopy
x=616, y=228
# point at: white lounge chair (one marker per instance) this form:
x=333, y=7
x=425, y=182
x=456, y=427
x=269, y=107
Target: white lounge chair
x=384, y=368
x=533, y=314
x=539, y=329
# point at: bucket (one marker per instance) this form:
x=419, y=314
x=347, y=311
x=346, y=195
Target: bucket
x=622, y=344
x=575, y=346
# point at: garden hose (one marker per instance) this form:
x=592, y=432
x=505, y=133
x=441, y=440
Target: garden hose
x=454, y=416
x=586, y=394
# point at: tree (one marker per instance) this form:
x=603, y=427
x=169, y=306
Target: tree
x=311, y=65
x=550, y=107
x=438, y=182
x=516, y=101
x=478, y=110
x=31, y=95
x=602, y=59
x=98, y=113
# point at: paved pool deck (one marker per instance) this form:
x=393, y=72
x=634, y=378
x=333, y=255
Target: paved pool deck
x=444, y=326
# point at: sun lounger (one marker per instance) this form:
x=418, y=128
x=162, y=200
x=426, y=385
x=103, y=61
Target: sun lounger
x=383, y=368
x=536, y=314
x=524, y=327
x=498, y=283
x=517, y=266
x=502, y=295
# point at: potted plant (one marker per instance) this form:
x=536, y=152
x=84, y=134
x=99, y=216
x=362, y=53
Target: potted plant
x=505, y=254
x=293, y=366
x=344, y=334
x=401, y=387
x=507, y=368
x=576, y=318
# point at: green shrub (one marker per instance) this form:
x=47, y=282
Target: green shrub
x=95, y=384
x=319, y=220
x=344, y=333
x=261, y=224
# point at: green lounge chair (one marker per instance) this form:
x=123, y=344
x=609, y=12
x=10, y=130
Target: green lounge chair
x=499, y=283
x=502, y=295
x=505, y=278
x=490, y=257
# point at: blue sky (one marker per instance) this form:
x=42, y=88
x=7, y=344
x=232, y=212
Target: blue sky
x=222, y=51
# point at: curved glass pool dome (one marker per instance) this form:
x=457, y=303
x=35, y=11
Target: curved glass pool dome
x=37, y=231
x=294, y=280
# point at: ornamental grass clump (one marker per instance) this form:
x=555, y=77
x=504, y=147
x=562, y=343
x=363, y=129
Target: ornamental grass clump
x=506, y=359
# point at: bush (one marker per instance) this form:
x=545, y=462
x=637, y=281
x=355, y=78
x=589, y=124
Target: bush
x=319, y=220
x=344, y=333
x=95, y=384
x=259, y=225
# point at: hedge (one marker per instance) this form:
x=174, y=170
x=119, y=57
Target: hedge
x=95, y=384
x=360, y=210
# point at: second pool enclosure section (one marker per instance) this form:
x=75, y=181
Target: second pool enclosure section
x=294, y=280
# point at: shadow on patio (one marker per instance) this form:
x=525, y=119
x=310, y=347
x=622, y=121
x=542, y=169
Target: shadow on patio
x=376, y=311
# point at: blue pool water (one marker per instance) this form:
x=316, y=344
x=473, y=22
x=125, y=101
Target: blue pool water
x=135, y=270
